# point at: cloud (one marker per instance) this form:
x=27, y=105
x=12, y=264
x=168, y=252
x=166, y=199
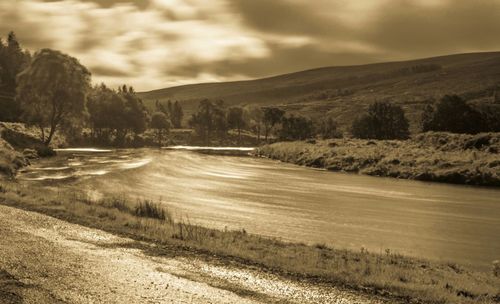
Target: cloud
x=157, y=43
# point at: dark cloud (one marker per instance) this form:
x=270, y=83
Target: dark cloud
x=156, y=43
x=282, y=59
x=142, y=4
x=285, y=17
x=414, y=30
x=108, y=71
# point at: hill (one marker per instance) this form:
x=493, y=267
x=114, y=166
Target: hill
x=345, y=91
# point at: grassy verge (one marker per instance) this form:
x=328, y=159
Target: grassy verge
x=439, y=157
x=388, y=274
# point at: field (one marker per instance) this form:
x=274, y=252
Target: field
x=432, y=156
x=388, y=274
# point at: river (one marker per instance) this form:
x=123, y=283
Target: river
x=437, y=221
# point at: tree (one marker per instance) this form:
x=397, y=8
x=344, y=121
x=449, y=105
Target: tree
x=296, y=128
x=52, y=89
x=210, y=118
x=327, y=128
x=256, y=117
x=176, y=115
x=452, y=114
x=159, y=121
x=235, y=120
x=12, y=61
x=382, y=121
x=203, y=120
x=272, y=116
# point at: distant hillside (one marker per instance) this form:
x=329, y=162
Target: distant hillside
x=345, y=91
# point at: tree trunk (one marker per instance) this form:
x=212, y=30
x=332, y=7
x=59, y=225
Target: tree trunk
x=51, y=134
x=42, y=131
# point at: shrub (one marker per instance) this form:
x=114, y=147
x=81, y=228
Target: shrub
x=382, y=121
x=150, y=209
x=296, y=128
x=452, y=114
x=327, y=128
x=44, y=151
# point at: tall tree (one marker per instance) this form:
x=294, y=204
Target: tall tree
x=159, y=121
x=176, y=114
x=382, y=121
x=296, y=128
x=256, y=117
x=272, y=116
x=209, y=119
x=12, y=61
x=53, y=88
x=236, y=120
x=203, y=120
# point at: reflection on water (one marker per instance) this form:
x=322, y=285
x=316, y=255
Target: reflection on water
x=439, y=221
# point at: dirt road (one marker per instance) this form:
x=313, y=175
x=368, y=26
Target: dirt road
x=45, y=260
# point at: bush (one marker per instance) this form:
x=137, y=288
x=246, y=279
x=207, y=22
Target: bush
x=296, y=128
x=45, y=151
x=327, y=128
x=150, y=209
x=383, y=121
x=453, y=114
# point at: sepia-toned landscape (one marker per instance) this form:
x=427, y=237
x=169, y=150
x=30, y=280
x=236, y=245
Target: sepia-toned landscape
x=234, y=151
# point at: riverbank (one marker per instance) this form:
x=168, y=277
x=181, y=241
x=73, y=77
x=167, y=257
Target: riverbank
x=432, y=156
x=391, y=275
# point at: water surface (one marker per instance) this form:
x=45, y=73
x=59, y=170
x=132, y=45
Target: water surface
x=437, y=221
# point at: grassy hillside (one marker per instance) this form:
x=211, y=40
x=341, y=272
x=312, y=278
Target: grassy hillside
x=346, y=90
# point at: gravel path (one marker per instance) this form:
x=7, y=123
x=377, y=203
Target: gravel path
x=45, y=260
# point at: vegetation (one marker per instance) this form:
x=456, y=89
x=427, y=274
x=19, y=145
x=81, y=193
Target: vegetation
x=327, y=128
x=439, y=157
x=272, y=116
x=236, y=120
x=388, y=274
x=51, y=90
x=383, y=121
x=159, y=121
x=209, y=120
x=115, y=114
x=453, y=114
x=296, y=128
x=13, y=59
x=10, y=160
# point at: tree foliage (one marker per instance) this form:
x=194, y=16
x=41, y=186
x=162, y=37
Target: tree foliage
x=452, y=114
x=51, y=90
x=236, y=120
x=272, y=116
x=159, y=122
x=255, y=120
x=115, y=113
x=210, y=119
x=296, y=128
x=327, y=128
x=13, y=59
x=382, y=121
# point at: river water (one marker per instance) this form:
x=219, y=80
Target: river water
x=437, y=221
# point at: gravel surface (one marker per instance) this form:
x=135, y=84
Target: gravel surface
x=45, y=260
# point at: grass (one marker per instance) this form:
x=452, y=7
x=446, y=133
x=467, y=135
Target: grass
x=432, y=156
x=389, y=274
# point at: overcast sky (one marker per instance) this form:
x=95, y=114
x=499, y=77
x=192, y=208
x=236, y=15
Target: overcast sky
x=154, y=44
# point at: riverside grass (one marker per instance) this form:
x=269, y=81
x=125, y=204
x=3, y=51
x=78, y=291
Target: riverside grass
x=431, y=156
x=394, y=276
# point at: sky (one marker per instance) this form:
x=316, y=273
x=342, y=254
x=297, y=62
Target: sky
x=152, y=44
